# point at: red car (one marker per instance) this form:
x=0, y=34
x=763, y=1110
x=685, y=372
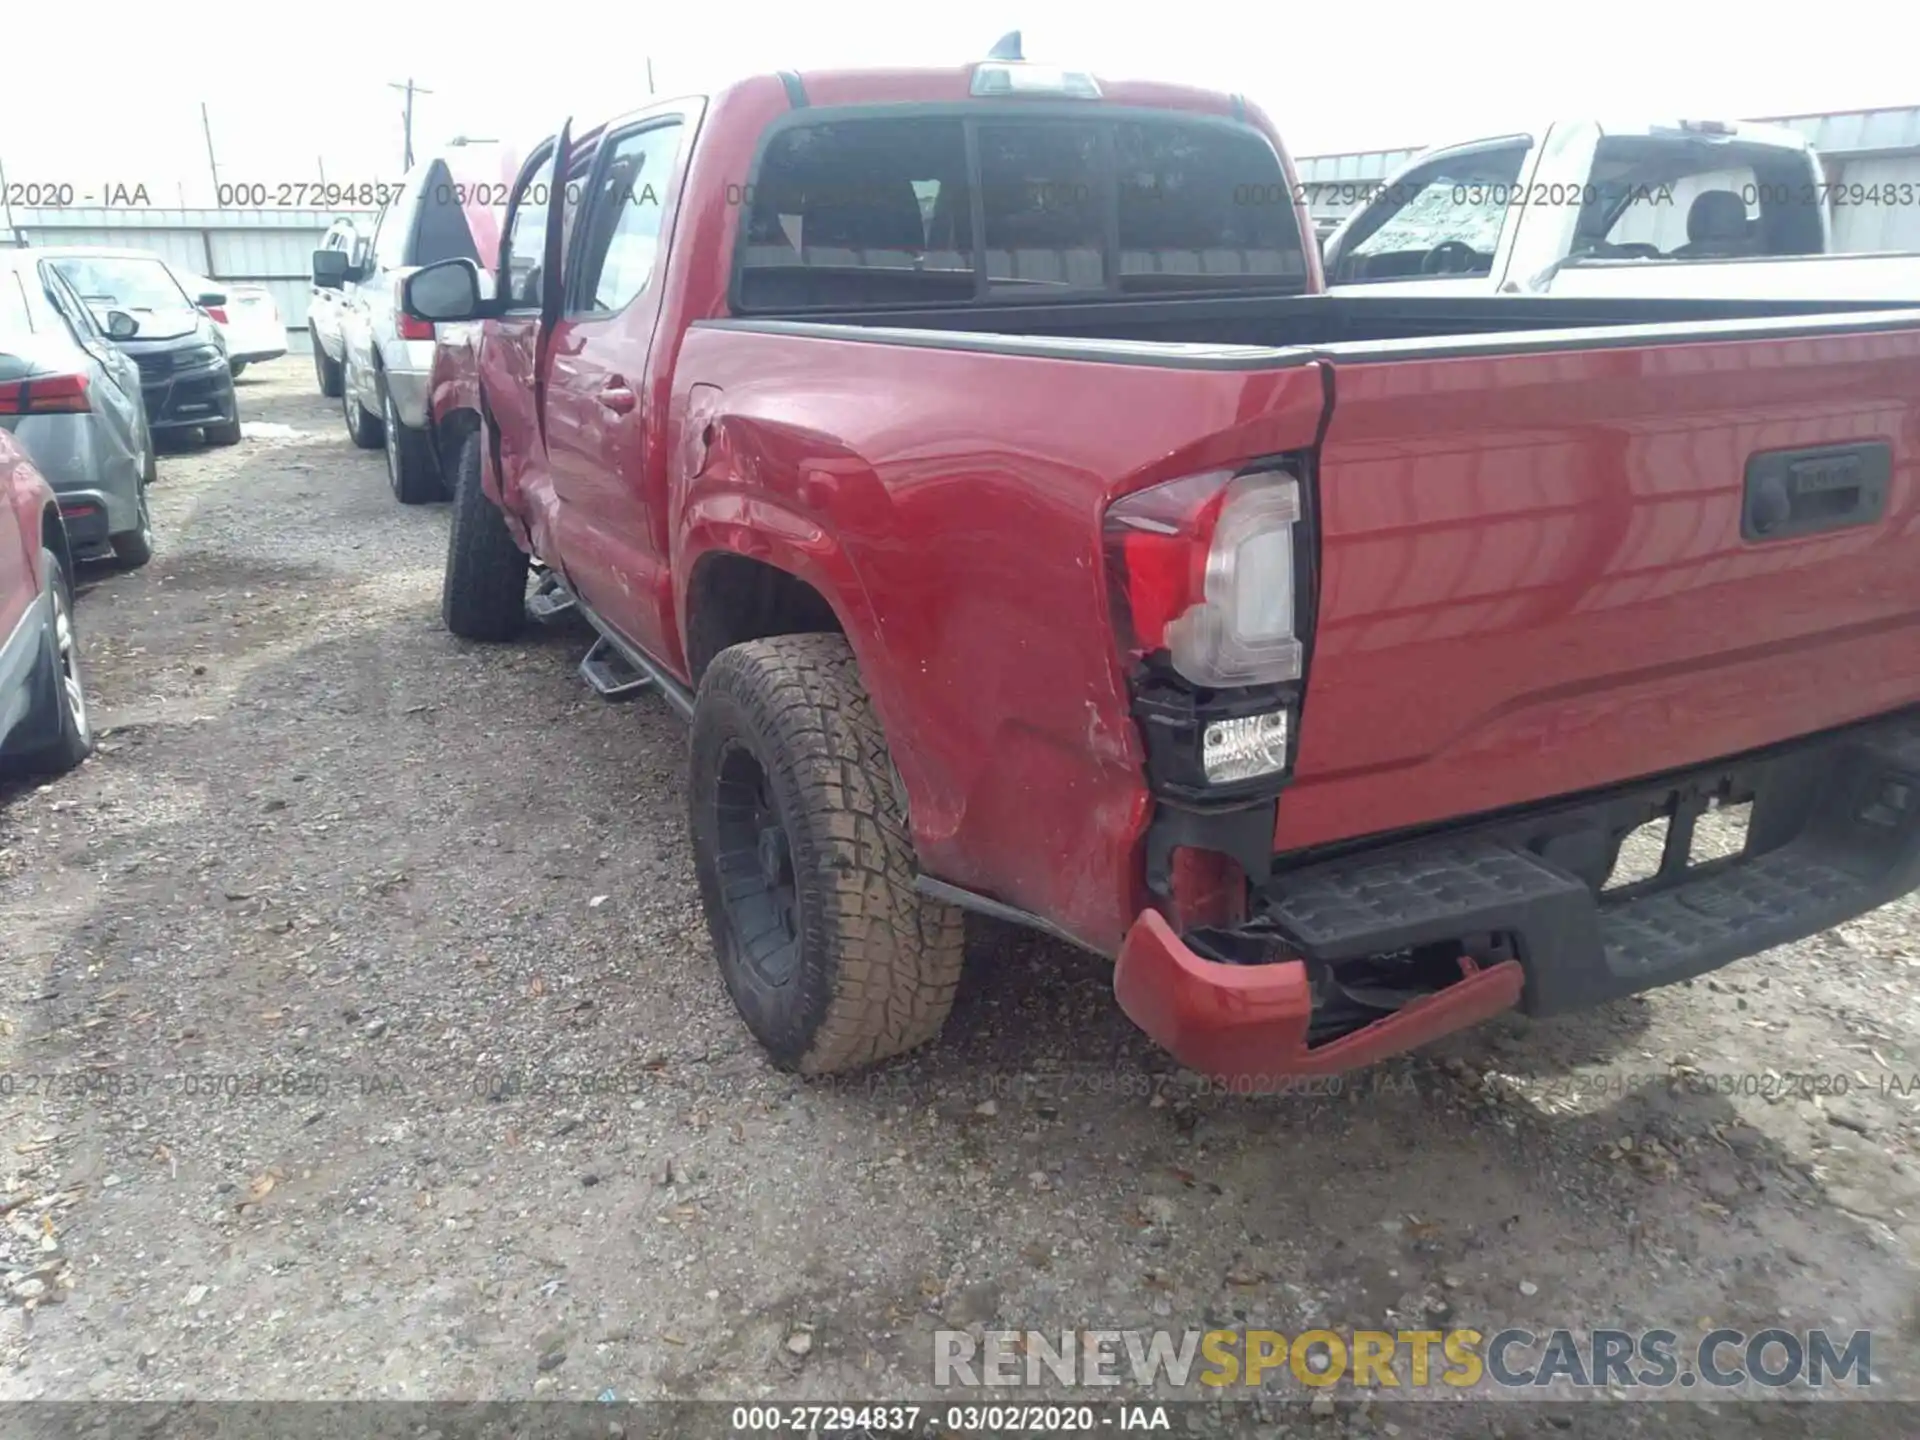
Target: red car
x=44, y=727
x=973, y=457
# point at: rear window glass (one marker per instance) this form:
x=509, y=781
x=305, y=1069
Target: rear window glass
x=871, y=213
x=442, y=231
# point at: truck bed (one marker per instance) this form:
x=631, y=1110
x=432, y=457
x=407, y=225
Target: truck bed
x=1536, y=572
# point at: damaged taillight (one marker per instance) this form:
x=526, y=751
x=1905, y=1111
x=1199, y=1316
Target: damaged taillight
x=1204, y=573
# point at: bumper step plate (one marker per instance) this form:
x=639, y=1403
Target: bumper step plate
x=1841, y=828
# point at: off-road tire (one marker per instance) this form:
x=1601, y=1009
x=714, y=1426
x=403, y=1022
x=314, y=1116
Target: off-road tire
x=483, y=594
x=878, y=963
x=326, y=373
x=69, y=735
x=412, y=474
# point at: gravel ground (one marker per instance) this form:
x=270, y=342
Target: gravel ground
x=361, y=1040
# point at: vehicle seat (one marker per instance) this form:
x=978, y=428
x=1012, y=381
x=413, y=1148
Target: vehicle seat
x=867, y=224
x=1716, y=227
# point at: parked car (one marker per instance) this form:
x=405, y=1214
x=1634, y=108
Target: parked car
x=44, y=723
x=324, y=304
x=1019, y=540
x=249, y=321
x=181, y=353
x=1733, y=210
x=72, y=399
x=447, y=206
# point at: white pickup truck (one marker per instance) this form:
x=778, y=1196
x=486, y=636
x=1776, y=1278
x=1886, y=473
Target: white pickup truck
x=1703, y=209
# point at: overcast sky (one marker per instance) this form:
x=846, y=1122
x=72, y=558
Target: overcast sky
x=290, y=88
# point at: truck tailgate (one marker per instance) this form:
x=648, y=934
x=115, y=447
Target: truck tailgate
x=1550, y=571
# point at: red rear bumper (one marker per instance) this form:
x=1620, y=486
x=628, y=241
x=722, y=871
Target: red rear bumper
x=1246, y=1025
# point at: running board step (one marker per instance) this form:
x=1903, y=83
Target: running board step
x=550, y=599
x=607, y=671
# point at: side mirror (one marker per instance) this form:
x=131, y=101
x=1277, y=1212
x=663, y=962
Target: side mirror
x=330, y=269
x=448, y=290
x=121, y=325
x=212, y=298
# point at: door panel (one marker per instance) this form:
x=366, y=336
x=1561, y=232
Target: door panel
x=601, y=418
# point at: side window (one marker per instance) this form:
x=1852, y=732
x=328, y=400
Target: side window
x=527, y=236
x=391, y=232
x=72, y=311
x=622, y=237
x=1459, y=202
x=527, y=229
x=14, y=319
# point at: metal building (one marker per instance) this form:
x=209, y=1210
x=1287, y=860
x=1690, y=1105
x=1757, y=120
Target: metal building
x=1863, y=150
x=266, y=247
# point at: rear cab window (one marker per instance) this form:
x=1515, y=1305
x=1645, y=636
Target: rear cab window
x=1675, y=197
x=1000, y=205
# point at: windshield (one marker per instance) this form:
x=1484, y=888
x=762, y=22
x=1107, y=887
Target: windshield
x=131, y=281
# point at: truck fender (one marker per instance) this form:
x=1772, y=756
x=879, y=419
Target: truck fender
x=762, y=528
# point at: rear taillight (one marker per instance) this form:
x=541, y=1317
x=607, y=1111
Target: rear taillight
x=215, y=313
x=44, y=395
x=1204, y=573
x=410, y=327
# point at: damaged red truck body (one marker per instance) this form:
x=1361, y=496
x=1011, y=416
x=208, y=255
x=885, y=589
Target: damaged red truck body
x=973, y=457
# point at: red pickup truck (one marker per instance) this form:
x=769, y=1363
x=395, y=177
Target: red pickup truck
x=973, y=457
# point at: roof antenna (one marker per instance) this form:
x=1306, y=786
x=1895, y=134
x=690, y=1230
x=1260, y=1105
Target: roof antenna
x=1007, y=47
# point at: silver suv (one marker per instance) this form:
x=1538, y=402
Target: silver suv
x=324, y=305
x=448, y=207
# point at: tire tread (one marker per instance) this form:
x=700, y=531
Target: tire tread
x=483, y=595
x=894, y=956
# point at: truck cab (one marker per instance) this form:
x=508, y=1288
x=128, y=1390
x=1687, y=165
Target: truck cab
x=1601, y=207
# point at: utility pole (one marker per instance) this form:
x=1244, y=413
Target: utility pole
x=14, y=237
x=206, y=127
x=649, y=77
x=407, y=119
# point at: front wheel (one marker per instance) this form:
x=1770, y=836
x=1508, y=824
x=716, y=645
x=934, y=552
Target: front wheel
x=483, y=594
x=806, y=865
x=326, y=372
x=236, y=368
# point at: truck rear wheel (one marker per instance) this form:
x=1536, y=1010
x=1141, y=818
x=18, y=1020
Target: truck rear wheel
x=483, y=595
x=806, y=865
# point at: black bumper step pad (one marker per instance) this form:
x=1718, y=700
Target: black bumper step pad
x=1853, y=807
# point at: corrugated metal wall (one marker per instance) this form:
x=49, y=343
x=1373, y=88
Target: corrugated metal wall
x=267, y=247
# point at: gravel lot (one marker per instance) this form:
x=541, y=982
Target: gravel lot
x=360, y=1039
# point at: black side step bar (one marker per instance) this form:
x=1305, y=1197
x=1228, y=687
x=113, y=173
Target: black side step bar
x=550, y=599
x=607, y=671
x=614, y=668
